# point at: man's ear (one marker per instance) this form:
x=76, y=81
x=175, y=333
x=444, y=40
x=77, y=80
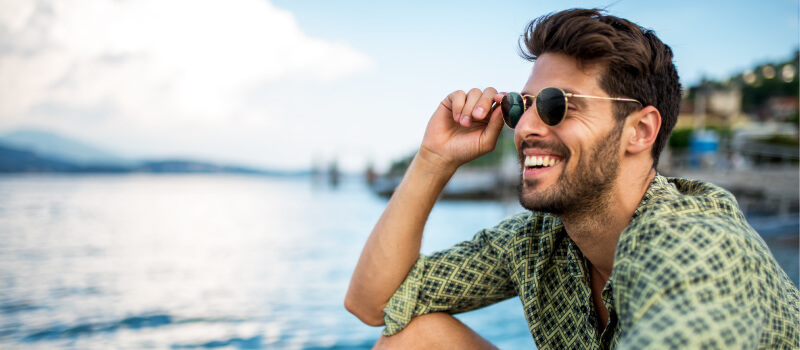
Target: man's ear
x=643, y=125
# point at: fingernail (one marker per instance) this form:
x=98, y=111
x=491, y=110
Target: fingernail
x=478, y=112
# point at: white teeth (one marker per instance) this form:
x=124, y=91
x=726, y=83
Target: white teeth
x=540, y=161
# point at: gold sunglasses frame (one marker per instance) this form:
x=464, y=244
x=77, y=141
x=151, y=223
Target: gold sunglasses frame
x=567, y=95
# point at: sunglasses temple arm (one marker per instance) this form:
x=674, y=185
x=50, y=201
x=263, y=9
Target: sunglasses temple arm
x=605, y=98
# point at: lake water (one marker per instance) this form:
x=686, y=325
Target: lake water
x=202, y=261
x=215, y=262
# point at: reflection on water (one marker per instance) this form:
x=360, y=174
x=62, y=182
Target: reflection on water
x=185, y=262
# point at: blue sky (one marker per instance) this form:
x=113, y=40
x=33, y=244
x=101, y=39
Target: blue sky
x=286, y=83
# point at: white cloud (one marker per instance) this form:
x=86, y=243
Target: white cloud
x=154, y=64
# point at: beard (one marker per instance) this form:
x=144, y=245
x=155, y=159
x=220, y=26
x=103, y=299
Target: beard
x=584, y=190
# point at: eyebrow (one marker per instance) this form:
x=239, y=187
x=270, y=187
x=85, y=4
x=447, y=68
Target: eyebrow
x=567, y=90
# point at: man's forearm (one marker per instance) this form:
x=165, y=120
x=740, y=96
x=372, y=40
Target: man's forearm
x=393, y=246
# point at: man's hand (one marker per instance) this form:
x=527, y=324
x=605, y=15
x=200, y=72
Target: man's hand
x=464, y=127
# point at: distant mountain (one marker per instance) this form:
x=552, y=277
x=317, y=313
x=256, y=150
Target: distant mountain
x=13, y=160
x=185, y=166
x=34, y=151
x=56, y=147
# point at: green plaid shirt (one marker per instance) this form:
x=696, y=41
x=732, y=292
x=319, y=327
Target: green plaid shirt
x=689, y=272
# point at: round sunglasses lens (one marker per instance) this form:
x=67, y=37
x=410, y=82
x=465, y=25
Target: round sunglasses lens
x=512, y=107
x=551, y=105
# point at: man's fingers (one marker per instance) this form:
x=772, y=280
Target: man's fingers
x=457, y=100
x=498, y=98
x=472, y=98
x=474, y=104
x=484, y=105
x=478, y=105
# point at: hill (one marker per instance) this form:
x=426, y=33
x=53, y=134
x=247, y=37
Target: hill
x=56, y=147
x=36, y=151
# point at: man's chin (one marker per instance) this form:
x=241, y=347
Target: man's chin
x=537, y=185
x=539, y=200
x=530, y=184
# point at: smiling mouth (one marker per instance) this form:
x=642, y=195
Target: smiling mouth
x=539, y=162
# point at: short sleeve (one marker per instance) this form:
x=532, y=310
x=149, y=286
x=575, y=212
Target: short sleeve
x=400, y=308
x=465, y=277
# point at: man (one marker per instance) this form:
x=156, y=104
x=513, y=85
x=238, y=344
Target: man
x=611, y=254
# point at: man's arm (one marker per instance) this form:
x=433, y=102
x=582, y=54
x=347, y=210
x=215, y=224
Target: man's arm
x=463, y=128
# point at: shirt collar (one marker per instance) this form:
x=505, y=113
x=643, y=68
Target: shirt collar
x=576, y=263
x=660, y=186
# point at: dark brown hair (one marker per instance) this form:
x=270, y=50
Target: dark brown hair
x=635, y=63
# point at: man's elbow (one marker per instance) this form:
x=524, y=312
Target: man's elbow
x=370, y=316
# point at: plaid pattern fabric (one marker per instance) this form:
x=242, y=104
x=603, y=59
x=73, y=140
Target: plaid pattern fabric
x=689, y=272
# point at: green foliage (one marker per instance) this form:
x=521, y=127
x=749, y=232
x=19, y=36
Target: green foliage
x=680, y=138
x=795, y=119
x=757, y=92
x=755, y=96
x=782, y=140
x=723, y=131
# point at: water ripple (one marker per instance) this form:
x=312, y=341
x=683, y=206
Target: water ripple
x=135, y=322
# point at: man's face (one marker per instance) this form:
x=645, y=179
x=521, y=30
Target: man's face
x=580, y=156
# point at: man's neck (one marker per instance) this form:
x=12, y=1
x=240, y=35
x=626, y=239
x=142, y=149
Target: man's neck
x=596, y=233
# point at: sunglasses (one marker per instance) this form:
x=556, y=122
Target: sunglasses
x=551, y=104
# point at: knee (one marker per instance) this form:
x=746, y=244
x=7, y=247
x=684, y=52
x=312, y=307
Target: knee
x=434, y=331
x=419, y=332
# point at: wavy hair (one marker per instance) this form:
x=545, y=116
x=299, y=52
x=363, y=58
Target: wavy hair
x=634, y=62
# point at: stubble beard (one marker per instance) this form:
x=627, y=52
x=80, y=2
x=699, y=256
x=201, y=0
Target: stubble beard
x=586, y=191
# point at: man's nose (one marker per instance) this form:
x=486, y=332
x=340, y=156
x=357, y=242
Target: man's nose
x=531, y=125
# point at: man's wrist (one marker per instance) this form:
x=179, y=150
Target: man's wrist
x=434, y=165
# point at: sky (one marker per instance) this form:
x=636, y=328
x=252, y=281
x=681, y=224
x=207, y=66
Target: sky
x=287, y=84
